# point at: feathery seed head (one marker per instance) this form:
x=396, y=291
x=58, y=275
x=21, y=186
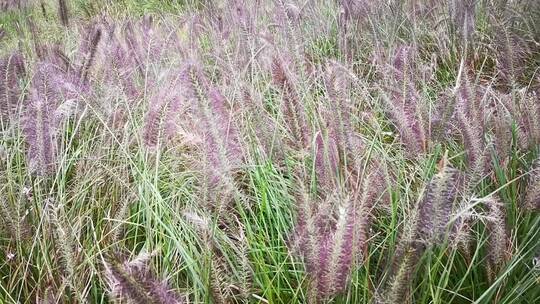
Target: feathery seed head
x=532, y=194
x=438, y=203
x=135, y=282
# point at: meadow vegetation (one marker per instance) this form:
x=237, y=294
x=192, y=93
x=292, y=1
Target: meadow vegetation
x=270, y=151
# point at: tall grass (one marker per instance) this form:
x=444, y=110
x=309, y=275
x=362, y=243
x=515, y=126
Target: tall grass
x=269, y=152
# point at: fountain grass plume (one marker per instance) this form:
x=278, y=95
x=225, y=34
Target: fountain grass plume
x=162, y=117
x=470, y=119
x=90, y=53
x=402, y=103
x=532, y=193
x=498, y=239
x=326, y=162
x=430, y=226
x=332, y=235
x=437, y=206
x=12, y=71
x=39, y=134
x=221, y=145
x=294, y=111
x=135, y=282
x=338, y=116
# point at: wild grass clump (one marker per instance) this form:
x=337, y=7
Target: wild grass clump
x=269, y=151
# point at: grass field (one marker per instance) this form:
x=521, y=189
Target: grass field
x=273, y=151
